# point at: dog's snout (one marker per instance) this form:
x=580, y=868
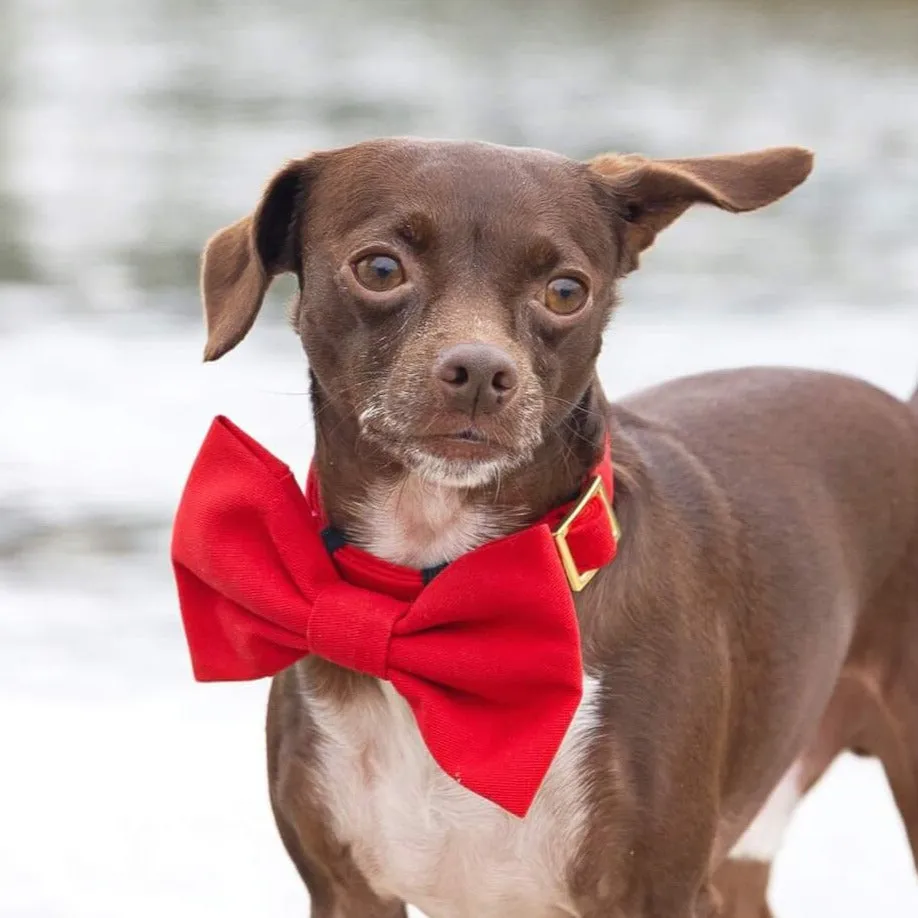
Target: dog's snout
x=476, y=377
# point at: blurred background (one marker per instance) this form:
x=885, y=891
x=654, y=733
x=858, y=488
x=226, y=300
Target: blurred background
x=131, y=131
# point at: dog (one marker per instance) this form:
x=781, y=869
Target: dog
x=761, y=614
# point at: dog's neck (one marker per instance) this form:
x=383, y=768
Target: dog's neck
x=398, y=515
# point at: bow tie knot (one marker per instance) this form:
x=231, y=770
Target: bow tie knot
x=352, y=627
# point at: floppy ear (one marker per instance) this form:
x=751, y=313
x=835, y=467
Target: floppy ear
x=241, y=260
x=651, y=194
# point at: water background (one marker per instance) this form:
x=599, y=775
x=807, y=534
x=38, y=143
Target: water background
x=131, y=131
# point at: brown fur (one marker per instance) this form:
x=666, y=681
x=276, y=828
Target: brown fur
x=764, y=604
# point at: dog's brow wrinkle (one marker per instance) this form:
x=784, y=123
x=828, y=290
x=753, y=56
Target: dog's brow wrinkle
x=541, y=255
x=417, y=229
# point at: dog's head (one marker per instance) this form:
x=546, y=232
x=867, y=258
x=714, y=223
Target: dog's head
x=452, y=296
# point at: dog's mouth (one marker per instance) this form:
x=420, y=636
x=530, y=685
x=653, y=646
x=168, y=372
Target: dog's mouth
x=450, y=450
x=470, y=434
x=469, y=443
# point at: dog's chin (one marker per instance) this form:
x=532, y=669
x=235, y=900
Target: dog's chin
x=454, y=472
x=464, y=460
x=458, y=463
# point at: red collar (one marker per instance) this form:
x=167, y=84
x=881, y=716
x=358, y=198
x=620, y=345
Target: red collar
x=486, y=653
x=581, y=559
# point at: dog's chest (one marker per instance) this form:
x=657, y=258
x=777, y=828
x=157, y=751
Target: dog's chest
x=413, y=832
x=420, y=837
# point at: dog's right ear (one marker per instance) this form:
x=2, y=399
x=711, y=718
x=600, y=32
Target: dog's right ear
x=241, y=260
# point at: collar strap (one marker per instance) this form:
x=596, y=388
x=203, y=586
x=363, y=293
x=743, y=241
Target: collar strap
x=594, y=500
x=335, y=538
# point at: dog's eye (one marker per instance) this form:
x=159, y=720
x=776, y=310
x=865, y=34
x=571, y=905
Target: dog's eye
x=565, y=295
x=379, y=272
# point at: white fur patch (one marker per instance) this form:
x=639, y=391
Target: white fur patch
x=457, y=473
x=420, y=837
x=762, y=839
x=421, y=523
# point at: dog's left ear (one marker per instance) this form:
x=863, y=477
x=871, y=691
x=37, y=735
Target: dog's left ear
x=241, y=260
x=650, y=194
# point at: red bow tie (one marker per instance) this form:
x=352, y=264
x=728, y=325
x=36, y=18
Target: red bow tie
x=487, y=653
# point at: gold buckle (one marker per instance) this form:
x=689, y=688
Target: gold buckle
x=579, y=579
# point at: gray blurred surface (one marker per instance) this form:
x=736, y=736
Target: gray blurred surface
x=131, y=131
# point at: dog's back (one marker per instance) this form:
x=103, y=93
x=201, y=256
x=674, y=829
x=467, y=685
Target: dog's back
x=819, y=476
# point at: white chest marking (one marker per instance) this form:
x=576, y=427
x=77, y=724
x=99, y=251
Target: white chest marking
x=762, y=839
x=414, y=833
x=418, y=836
x=420, y=523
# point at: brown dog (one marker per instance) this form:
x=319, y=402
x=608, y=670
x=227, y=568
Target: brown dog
x=762, y=614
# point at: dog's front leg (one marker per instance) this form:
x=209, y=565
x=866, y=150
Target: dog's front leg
x=651, y=884
x=654, y=833
x=336, y=888
x=705, y=903
x=743, y=888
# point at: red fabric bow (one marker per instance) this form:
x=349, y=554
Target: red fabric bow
x=487, y=654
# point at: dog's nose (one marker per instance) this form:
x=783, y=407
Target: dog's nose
x=476, y=378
